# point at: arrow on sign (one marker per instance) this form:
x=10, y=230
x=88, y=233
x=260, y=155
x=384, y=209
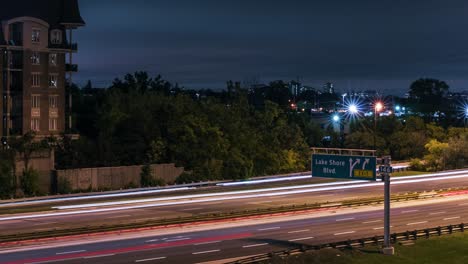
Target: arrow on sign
x=366, y=161
x=352, y=165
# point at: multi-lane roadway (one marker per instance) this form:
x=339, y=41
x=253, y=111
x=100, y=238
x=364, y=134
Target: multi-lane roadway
x=226, y=240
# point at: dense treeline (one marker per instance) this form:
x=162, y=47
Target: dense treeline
x=142, y=120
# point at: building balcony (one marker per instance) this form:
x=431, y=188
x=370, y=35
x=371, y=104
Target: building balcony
x=65, y=46
x=71, y=67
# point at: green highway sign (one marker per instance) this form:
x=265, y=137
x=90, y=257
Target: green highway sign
x=344, y=167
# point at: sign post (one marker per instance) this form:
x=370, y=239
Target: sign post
x=385, y=171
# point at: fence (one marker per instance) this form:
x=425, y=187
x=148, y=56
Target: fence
x=114, y=178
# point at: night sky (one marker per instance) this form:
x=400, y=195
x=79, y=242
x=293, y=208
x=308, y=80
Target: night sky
x=357, y=44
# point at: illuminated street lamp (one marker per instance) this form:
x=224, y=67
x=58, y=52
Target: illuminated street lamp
x=378, y=106
x=353, y=109
x=466, y=116
x=336, y=118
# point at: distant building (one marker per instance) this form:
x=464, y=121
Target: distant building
x=329, y=88
x=35, y=56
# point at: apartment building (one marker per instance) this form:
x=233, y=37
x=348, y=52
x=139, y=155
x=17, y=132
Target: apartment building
x=36, y=62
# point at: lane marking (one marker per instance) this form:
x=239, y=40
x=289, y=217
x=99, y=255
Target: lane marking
x=344, y=233
x=378, y=228
x=300, y=239
x=370, y=222
x=152, y=240
x=206, y=243
x=417, y=223
x=192, y=209
x=436, y=213
x=269, y=228
x=345, y=219
x=299, y=231
x=450, y=218
x=205, y=252
x=255, y=245
x=409, y=211
x=99, y=256
x=150, y=259
x=70, y=252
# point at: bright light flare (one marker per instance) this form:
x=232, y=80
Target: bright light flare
x=336, y=118
x=378, y=106
x=353, y=109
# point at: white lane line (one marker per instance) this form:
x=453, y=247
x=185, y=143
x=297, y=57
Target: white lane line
x=117, y=216
x=344, y=233
x=150, y=259
x=345, y=219
x=451, y=218
x=370, y=222
x=436, y=213
x=70, y=252
x=378, y=228
x=205, y=252
x=300, y=239
x=177, y=239
x=417, y=223
x=409, y=211
x=152, y=240
x=269, y=228
x=299, y=231
x=192, y=209
x=255, y=245
x=206, y=243
x=99, y=256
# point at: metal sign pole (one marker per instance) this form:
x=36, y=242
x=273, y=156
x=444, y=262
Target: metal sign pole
x=387, y=249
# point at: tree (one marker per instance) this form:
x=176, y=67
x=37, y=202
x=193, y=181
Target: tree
x=427, y=95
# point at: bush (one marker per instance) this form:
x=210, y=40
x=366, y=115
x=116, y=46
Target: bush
x=417, y=165
x=147, y=178
x=7, y=187
x=64, y=186
x=186, y=177
x=30, y=182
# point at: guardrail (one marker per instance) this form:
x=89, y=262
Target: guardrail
x=357, y=243
x=204, y=218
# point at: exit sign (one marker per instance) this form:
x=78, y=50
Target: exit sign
x=344, y=167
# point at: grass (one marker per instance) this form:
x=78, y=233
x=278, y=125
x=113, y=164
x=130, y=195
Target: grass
x=450, y=249
x=408, y=173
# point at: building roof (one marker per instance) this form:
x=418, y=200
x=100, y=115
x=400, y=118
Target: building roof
x=54, y=12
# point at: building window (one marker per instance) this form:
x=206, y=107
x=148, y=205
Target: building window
x=56, y=37
x=53, y=80
x=35, y=79
x=53, y=101
x=35, y=101
x=36, y=35
x=53, y=59
x=35, y=58
x=53, y=124
x=35, y=124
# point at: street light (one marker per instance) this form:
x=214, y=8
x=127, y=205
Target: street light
x=378, y=106
x=353, y=109
x=466, y=117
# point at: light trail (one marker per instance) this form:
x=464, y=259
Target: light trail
x=101, y=210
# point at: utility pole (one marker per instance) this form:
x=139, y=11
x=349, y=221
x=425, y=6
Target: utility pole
x=387, y=249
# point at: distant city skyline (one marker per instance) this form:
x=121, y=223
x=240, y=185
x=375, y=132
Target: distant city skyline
x=383, y=45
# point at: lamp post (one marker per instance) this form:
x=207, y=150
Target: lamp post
x=466, y=117
x=378, y=106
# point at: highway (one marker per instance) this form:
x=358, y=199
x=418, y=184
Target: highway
x=230, y=240
x=135, y=210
